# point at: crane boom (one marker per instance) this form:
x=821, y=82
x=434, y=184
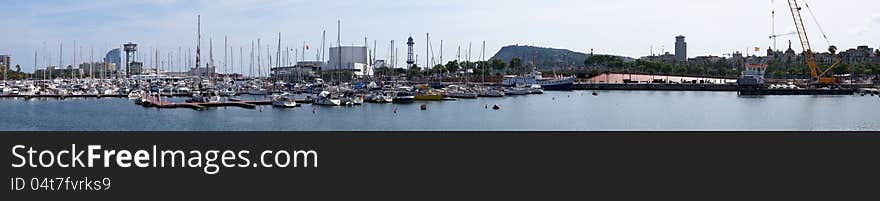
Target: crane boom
x=818, y=75
x=804, y=39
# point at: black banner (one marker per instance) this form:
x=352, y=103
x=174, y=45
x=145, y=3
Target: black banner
x=445, y=166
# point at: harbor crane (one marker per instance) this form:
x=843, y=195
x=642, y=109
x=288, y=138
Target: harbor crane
x=819, y=76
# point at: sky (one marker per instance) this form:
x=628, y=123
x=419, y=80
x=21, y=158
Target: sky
x=631, y=28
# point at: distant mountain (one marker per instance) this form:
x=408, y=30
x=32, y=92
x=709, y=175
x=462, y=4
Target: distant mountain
x=543, y=57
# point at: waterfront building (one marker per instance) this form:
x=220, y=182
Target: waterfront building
x=302, y=71
x=680, y=49
x=665, y=58
x=114, y=56
x=705, y=60
x=349, y=58
x=5, y=62
x=99, y=68
x=56, y=71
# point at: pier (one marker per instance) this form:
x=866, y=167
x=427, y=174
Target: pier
x=61, y=96
x=842, y=91
x=156, y=102
x=659, y=87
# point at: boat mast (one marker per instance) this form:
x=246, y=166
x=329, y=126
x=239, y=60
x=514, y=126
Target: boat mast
x=483, y=58
x=225, y=56
x=199, y=51
x=339, y=45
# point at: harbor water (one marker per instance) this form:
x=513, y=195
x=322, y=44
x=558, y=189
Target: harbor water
x=552, y=111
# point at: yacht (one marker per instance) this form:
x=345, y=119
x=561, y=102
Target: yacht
x=536, y=89
x=198, y=97
x=429, y=95
x=379, y=98
x=283, y=101
x=135, y=95
x=257, y=91
x=229, y=91
x=404, y=97
x=325, y=98
x=535, y=77
x=352, y=100
x=516, y=91
x=490, y=92
x=460, y=92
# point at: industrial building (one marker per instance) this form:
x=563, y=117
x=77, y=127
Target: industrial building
x=349, y=58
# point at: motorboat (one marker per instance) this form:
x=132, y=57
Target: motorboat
x=404, y=97
x=460, y=92
x=490, y=92
x=535, y=77
x=198, y=97
x=516, y=91
x=283, y=101
x=325, y=98
x=536, y=89
x=379, y=98
x=352, y=100
x=428, y=95
x=135, y=95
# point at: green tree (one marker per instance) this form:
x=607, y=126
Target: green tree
x=498, y=64
x=17, y=68
x=415, y=70
x=439, y=69
x=452, y=66
x=515, y=63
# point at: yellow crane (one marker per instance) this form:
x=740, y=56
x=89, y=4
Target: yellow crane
x=819, y=76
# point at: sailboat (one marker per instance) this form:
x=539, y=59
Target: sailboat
x=455, y=91
x=490, y=92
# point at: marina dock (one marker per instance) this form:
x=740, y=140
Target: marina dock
x=156, y=102
x=60, y=96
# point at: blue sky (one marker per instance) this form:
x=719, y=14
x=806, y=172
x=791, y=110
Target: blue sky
x=622, y=27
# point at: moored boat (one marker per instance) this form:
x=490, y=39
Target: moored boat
x=535, y=77
x=283, y=101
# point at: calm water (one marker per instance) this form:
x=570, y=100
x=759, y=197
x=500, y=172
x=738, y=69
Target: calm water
x=579, y=111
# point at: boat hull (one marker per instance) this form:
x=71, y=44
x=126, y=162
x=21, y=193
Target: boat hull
x=429, y=97
x=404, y=100
x=555, y=84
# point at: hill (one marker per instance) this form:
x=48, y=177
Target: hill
x=543, y=57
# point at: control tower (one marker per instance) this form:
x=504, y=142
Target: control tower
x=130, y=52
